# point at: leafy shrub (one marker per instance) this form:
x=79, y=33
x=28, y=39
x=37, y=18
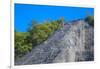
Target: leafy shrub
x=90, y=20
x=21, y=46
x=36, y=34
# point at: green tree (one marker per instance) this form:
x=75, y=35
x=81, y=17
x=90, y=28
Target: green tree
x=35, y=35
x=21, y=46
x=90, y=20
x=38, y=33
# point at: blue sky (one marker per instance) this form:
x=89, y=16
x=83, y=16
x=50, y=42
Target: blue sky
x=25, y=13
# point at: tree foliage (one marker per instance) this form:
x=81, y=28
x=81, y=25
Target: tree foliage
x=90, y=20
x=36, y=34
x=21, y=46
